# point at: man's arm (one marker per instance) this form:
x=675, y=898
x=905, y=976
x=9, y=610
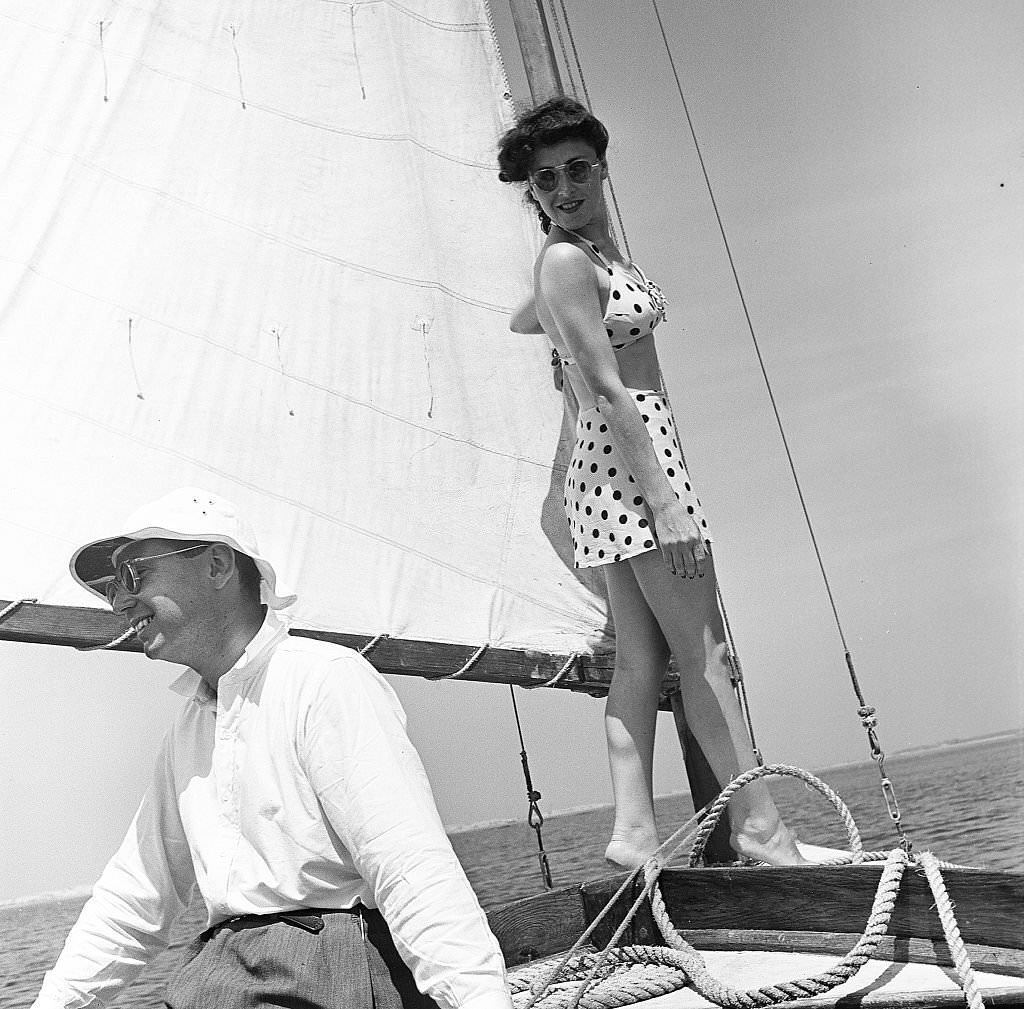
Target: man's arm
x=127, y=920
x=376, y=795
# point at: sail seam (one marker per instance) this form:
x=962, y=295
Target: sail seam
x=330, y=518
x=445, y=26
x=406, y=422
x=302, y=380
x=270, y=110
x=452, y=26
x=281, y=240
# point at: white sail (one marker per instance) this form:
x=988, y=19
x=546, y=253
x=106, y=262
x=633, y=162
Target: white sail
x=261, y=248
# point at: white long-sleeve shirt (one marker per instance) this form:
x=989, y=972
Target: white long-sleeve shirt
x=294, y=785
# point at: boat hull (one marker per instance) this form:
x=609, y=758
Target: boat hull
x=759, y=925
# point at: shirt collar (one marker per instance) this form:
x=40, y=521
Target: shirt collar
x=191, y=685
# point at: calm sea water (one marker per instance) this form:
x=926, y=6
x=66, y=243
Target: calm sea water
x=964, y=802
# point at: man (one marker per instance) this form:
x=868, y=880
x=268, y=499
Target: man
x=286, y=790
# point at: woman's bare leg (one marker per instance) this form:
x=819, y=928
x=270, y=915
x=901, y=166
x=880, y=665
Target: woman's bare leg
x=641, y=658
x=686, y=610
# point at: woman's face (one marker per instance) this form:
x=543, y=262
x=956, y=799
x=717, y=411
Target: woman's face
x=571, y=205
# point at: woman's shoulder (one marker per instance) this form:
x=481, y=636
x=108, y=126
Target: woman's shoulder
x=563, y=245
x=563, y=259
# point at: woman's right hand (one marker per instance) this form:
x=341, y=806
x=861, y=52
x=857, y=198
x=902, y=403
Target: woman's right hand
x=680, y=541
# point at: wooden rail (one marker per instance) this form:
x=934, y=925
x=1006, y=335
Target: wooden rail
x=809, y=909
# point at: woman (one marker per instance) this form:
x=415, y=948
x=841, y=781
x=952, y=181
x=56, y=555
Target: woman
x=629, y=501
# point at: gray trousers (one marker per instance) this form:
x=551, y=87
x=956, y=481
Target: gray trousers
x=351, y=963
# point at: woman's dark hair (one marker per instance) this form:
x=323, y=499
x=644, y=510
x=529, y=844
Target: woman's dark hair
x=547, y=124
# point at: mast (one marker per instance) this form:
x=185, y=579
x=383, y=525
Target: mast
x=544, y=80
x=542, y=73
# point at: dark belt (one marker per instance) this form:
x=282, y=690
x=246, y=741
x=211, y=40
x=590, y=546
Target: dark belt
x=309, y=919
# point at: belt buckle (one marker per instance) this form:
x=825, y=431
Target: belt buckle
x=308, y=922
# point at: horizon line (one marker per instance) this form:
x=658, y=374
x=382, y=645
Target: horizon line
x=84, y=890
x=591, y=807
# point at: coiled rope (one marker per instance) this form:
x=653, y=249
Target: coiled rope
x=618, y=976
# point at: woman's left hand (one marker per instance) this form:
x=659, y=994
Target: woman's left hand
x=681, y=542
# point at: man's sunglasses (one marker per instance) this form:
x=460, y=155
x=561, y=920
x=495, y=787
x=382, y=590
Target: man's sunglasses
x=127, y=577
x=579, y=171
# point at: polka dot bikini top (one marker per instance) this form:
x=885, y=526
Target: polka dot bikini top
x=635, y=307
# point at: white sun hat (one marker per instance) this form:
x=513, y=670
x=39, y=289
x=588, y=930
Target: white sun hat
x=185, y=514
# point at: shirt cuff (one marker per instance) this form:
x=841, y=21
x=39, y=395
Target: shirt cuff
x=49, y=1001
x=488, y=1000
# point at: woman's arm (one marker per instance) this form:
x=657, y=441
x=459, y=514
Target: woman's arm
x=569, y=287
x=524, y=317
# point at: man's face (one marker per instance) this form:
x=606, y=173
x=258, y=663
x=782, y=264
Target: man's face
x=170, y=601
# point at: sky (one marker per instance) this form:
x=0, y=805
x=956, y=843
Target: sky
x=867, y=161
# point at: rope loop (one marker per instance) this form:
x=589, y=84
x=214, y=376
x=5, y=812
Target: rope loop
x=559, y=676
x=718, y=807
x=372, y=644
x=11, y=607
x=470, y=663
x=119, y=640
x=715, y=991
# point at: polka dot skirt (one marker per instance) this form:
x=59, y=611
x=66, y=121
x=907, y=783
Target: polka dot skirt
x=608, y=516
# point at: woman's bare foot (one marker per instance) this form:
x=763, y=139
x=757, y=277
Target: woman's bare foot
x=629, y=849
x=773, y=847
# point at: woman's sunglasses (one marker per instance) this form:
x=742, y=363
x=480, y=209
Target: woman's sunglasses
x=128, y=578
x=578, y=171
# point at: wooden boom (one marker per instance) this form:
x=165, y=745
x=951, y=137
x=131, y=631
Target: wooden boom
x=85, y=627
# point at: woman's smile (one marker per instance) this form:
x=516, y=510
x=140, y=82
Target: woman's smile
x=576, y=204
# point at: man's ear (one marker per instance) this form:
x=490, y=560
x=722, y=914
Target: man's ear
x=221, y=563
